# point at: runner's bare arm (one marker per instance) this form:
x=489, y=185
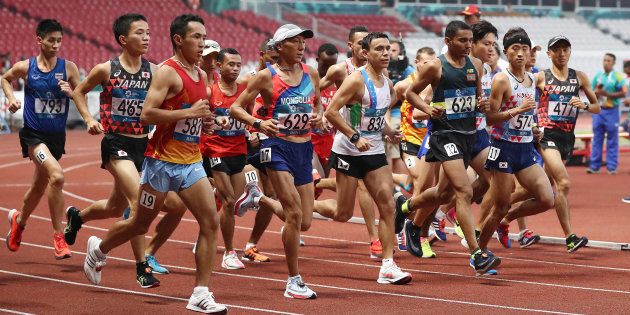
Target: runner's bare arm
x=259, y=83
x=316, y=120
x=498, y=92
x=429, y=74
x=97, y=76
x=19, y=70
x=346, y=94
x=333, y=76
x=585, y=85
x=167, y=83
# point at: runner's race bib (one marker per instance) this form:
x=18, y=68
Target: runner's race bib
x=49, y=108
x=188, y=130
x=127, y=105
x=460, y=103
x=234, y=128
x=559, y=109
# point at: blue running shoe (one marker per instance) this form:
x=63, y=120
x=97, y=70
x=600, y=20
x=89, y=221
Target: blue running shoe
x=491, y=272
x=438, y=226
x=401, y=239
x=155, y=265
x=483, y=262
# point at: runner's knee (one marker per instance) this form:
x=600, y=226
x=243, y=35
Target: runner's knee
x=56, y=179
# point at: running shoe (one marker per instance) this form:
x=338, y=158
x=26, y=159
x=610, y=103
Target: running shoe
x=612, y=172
x=249, y=199
x=401, y=240
x=484, y=261
x=412, y=236
x=297, y=289
x=155, y=265
x=302, y=243
x=93, y=263
x=252, y=254
x=61, y=248
x=438, y=227
x=503, y=235
x=491, y=272
x=204, y=303
x=392, y=274
x=527, y=238
x=14, y=237
x=451, y=216
x=574, y=242
x=465, y=243
x=592, y=171
x=427, y=252
x=73, y=225
x=144, y=276
x=400, y=199
x=458, y=229
x=625, y=199
x=231, y=261
x=376, y=249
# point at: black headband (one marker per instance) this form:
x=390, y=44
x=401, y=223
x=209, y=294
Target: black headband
x=518, y=39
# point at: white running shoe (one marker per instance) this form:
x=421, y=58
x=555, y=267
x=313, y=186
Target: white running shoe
x=464, y=243
x=302, y=243
x=92, y=264
x=297, y=289
x=205, y=303
x=231, y=261
x=392, y=274
x=249, y=199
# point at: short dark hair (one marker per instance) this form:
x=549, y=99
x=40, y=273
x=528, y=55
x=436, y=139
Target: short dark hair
x=122, y=24
x=365, y=43
x=267, y=44
x=225, y=51
x=327, y=48
x=47, y=26
x=511, y=33
x=483, y=28
x=357, y=29
x=497, y=48
x=454, y=26
x=611, y=55
x=179, y=26
x=626, y=63
x=425, y=50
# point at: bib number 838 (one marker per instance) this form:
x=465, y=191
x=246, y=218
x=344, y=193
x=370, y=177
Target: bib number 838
x=375, y=123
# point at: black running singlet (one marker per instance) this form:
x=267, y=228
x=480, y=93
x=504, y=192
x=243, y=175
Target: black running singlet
x=554, y=111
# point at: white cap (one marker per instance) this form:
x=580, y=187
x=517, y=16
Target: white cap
x=290, y=30
x=210, y=47
x=535, y=46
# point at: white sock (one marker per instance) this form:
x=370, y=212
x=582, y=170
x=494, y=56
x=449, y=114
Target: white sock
x=439, y=215
x=200, y=290
x=98, y=252
x=388, y=262
x=249, y=245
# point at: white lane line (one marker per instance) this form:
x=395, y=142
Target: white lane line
x=154, y=295
x=13, y=311
x=418, y=297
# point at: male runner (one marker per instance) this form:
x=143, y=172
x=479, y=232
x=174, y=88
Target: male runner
x=225, y=150
x=290, y=91
x=335, y=76
x=177, y=103
x=125, y=140
x=49, y=81
x=457, y=93
x=558, y=111
x=359, y=150
x=512, y=101
x=323, y=138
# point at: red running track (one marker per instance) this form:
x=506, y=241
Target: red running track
x=335, y=262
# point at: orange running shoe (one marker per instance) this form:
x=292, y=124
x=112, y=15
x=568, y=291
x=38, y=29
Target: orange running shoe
x=376, y=249
x=252, y=254
x=14, y=237
x=61, y=247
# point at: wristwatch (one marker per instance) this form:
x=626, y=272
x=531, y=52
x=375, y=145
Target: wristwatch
x=355, y=137
x=256, y=124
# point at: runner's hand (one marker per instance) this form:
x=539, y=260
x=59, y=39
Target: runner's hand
x=316, y=121
x=65, y=87
x=269, y=127
x=394, y=136
x=527, y=105
x=14, y=106
x=253, y=139
x=94, y=127
x=436, y=112
x=538, y=134
x=200, y=109
x=483, y=104
x=362, y=144
x=576, y=102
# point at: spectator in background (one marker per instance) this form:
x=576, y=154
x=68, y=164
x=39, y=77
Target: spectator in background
x=626, y=69
x=472, y=14
x=495, y=56
x=399, y=69
x=610, y=90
